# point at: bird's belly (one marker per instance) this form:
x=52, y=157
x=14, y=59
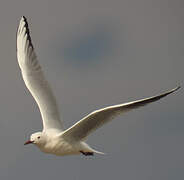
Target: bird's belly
x=61, y=148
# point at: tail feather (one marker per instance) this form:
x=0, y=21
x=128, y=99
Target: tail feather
x=87, y=148
x=98, y=152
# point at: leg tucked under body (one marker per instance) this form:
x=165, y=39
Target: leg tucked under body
x=87, y=153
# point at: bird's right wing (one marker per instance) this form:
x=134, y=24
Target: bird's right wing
x=34, y=78
x=96, y=119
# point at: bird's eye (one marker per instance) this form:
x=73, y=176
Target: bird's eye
x=38, y=137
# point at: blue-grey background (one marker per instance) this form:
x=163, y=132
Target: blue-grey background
x=97, y=53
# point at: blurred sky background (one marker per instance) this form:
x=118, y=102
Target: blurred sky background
x=97, y=53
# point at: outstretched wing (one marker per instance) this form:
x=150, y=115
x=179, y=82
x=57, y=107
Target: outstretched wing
x=96, y=119
x=34, y=78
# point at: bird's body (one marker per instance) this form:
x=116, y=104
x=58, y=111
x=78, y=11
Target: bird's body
x=55, y=144
x=54, y=139
x=60, y=147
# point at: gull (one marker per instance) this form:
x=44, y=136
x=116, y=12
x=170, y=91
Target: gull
x=54, y=139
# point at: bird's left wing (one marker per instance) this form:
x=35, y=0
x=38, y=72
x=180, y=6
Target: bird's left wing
x=34, y=78
x=96, y=119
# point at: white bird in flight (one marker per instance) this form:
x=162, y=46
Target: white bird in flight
x=54, y=139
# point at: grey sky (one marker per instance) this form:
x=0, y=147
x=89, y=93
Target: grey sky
x=133, y=49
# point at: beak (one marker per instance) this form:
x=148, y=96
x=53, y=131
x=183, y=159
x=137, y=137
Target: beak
x=28, y=142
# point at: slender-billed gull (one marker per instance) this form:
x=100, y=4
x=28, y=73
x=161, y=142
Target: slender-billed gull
x=54, y=139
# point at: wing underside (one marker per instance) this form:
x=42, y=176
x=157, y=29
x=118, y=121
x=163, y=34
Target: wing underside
x=34, y=78
x=96, y=119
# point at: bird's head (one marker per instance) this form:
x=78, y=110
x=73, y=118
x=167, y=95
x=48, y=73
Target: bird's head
x=38, y=138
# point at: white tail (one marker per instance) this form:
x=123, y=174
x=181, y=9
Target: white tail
x=98, y=152
x=87, y=148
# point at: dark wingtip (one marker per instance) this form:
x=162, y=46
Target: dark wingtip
x=175, y=89
x=27, y=31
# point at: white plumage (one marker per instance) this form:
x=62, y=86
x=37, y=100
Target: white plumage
x=54, y=139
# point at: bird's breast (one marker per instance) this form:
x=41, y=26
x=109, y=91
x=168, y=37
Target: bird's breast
x=59, y=147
